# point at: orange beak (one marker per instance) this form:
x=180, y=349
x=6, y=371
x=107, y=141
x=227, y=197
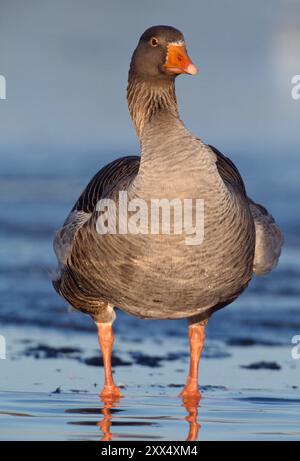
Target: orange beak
x=178, y=62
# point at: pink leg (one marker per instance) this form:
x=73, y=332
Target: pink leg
x=197, y=339
x=106, y=340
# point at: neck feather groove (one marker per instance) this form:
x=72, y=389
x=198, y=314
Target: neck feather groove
x=146, y=99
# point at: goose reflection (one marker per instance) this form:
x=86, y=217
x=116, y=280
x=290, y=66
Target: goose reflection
x=105, y=424
x=191, y=406
x=107, y=414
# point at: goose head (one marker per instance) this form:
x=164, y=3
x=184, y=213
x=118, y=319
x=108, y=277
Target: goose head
x=161, y=55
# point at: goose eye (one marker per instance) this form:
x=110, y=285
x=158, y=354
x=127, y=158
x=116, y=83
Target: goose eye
x=154, y=42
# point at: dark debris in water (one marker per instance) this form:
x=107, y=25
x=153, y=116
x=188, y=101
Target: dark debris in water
x=97, y=361
x=79, y=391
x=57, y=390
x=213, y=388
x=247, y=342
x=203, y=388
x=262, y=366
x=154, y=361
x=91, y=410
x=269, y=400
x=43, y=351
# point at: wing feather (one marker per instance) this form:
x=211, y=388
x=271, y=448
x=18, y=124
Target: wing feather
x=108, y=176
x=269, y=238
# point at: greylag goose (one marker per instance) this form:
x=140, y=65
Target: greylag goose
x=159, y=272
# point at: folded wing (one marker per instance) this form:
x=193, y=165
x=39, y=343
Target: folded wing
x=269, y=238
x=83, y=209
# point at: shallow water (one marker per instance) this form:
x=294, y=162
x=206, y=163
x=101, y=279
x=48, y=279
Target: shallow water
x=51, y=380
x=221, y=416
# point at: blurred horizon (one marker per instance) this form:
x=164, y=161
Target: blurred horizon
x=66, y=63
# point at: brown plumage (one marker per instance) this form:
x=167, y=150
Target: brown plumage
x=159, y=276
